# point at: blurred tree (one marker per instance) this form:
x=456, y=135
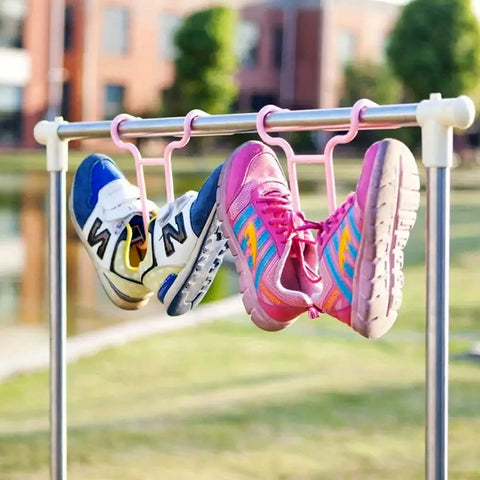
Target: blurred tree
x=377, y=83
x=435, y=47
x=205, y=63
x=368, y=80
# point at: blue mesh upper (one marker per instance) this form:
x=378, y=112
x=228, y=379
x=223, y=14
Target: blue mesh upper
x=205, y=201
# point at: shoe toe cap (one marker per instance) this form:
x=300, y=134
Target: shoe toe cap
x=92, y=175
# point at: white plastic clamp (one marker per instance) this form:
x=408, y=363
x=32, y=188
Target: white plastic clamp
x=438, y=117
x=46, y=133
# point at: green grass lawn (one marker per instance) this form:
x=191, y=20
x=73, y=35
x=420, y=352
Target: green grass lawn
x=228, y=401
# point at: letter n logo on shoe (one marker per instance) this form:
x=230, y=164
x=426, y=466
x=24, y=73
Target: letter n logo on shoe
x=169, y=232
x=95, y=237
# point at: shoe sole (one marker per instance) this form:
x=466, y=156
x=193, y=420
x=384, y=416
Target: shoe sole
x=392, y=202
x=119, y=298
x=194, y=280
x=247, y=288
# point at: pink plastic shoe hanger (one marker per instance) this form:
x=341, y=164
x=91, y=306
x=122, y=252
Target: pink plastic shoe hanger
x=325, y=158
x=166, y=160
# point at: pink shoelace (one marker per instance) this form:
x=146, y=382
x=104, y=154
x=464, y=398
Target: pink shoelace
x=331, y=222
x=290, y=225
x=324, y=228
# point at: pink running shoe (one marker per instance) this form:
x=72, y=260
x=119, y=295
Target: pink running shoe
x=360, y=246
x=273, y=259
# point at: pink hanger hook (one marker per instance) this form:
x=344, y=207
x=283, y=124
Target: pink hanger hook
x=326, y=158
x=166, y=160
x=284, y=145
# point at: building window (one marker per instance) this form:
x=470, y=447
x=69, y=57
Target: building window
x=259, y=100
x=11, y=100
x=346, y=44
x=248, y=41
x=169, y=24
x=68, y=28
x=12, y=15
x=114, y=97
x=116, y=30
x=277, y=47
x=66, y=101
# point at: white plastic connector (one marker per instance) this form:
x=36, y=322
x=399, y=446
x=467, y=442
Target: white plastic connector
x=46, y=134
x=438, y=117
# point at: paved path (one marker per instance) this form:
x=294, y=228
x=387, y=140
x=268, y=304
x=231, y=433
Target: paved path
x=25, y=349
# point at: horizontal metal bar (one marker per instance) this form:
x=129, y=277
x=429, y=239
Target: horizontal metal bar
x=378, y=117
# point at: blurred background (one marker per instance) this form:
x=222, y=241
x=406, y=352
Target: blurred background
x=89, y=60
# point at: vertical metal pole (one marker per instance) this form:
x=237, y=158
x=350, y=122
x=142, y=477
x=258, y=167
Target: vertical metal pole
x=58, y=319
x=46, y=133
x=437, y=117
x=55, y=67
x=437, y=259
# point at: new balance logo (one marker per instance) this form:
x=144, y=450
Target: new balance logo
x=102, y=238
x=169, y=232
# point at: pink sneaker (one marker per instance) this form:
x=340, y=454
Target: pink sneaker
x=272, y=258
x=360, y=246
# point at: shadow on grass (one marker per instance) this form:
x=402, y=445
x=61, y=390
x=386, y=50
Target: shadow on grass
x=247, y=423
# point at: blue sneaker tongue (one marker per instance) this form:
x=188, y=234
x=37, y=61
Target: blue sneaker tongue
x=138, y=234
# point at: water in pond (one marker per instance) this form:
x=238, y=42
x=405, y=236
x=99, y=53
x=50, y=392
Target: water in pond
x=24, y=284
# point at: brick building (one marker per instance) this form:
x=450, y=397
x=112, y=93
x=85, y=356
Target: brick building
x=118, y=54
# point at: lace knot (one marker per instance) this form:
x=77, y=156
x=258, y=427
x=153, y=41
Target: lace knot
x=278, y=205
x=333, y=220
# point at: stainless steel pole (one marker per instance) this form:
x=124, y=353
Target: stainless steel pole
x=58, y=320
x=379, y=117
x=55, y=67
x=438, y=261
x=437, y=117
x=57, y=164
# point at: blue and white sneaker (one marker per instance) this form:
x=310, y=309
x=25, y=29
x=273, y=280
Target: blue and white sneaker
x=106, y=212
x=184, y=248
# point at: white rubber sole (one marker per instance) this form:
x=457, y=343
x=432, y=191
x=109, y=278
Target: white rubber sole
x=194, y=280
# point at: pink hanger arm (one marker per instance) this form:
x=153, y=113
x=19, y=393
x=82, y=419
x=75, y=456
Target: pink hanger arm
x=166, y=160
x=326, y=158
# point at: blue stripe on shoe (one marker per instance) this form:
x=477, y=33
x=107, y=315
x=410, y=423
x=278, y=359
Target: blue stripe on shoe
x=205, y=202
x=244, y=247
x=335, y=240
x=353, y=226
x=243, y=244
x=264, y=236
x=353, y=251
x=164, y=287
x=91, y=176
x=349, y=270
x=343, y=287
x=242, y=219
x=263, y=263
